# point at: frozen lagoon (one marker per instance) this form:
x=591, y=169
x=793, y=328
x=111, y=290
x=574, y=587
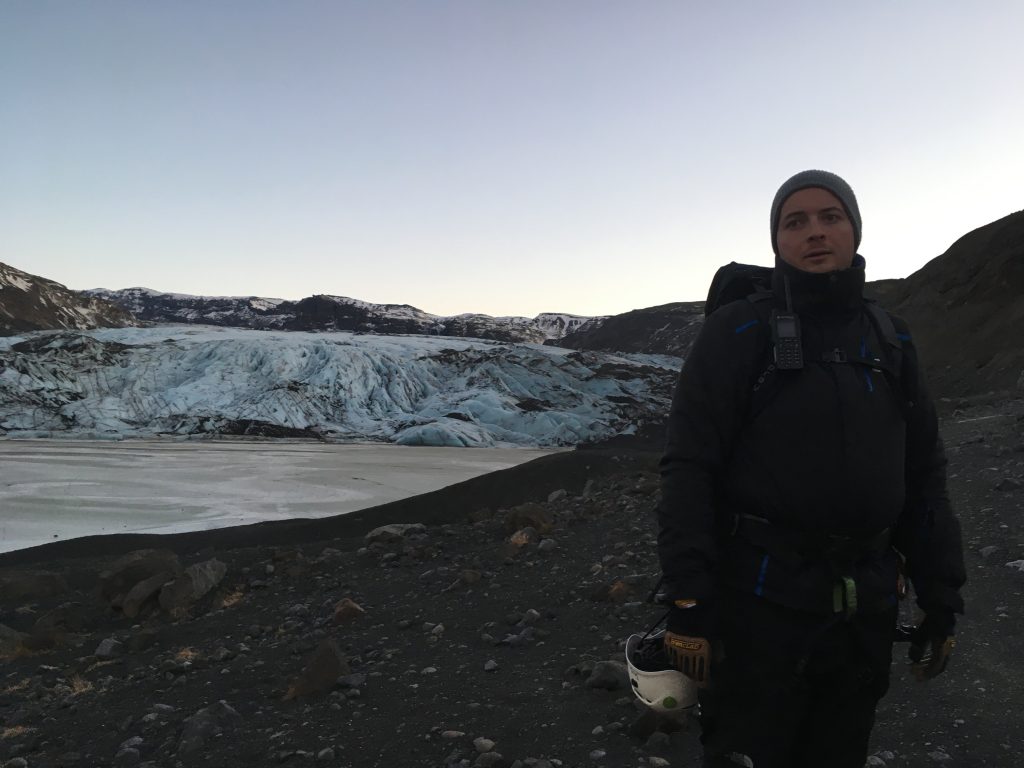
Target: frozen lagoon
x=61, y=489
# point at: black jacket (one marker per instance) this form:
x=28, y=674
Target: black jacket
x=832, y=449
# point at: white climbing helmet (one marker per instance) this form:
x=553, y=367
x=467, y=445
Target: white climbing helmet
x=654, y=680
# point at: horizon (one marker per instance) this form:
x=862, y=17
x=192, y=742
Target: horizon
x=488, y=159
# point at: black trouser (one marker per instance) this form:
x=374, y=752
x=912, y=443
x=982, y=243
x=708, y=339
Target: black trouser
x=795, y=689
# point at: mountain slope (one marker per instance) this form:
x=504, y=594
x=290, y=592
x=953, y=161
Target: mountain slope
x=668, y=329
x=31, y=303
x=966, y=310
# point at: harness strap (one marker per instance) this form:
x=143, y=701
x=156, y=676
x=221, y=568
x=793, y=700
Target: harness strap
x=840, y=554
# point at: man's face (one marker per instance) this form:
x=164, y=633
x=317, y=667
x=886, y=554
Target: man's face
x=815, y=234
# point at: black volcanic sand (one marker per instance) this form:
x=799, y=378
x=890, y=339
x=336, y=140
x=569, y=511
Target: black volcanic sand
x=521, y=628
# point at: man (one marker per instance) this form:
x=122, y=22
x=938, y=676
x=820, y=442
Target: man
x=803, y=470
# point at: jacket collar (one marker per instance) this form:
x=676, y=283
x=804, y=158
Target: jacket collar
x=839, y=293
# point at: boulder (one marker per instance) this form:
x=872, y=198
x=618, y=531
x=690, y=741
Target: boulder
x=529, y=515
x=30, y=585
x=54, y=627
x=127, y=571
x=11, y=641
x=524, y=536
x=393, y=536
x=323, y=668
x=205, y=724
x=144, y=591
x=193, y=583
x=347, y=610
x=109, y=648
x=610, y=676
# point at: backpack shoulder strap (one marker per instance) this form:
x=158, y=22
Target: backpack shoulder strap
x=763, y=376
x=892, y=348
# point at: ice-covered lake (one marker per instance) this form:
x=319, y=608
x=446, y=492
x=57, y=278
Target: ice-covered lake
x=59, y=489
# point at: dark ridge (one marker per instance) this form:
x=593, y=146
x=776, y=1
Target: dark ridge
x=966, y=310
x=668, y=329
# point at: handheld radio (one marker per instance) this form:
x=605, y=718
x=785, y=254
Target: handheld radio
x=786, y=338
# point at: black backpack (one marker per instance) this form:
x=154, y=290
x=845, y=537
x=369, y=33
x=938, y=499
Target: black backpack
x=735, y=282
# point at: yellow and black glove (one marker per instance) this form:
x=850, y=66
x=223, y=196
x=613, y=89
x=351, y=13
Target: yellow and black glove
x=687, y=640
x=931, y=644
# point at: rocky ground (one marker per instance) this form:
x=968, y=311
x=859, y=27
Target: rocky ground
x=473, y=633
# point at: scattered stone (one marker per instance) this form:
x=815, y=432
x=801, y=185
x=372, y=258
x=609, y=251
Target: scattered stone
x=609, y=676
x=354, y=680
x=1018, y=564
x=528, y=515
x=127, y=756
x=1008, y=484
x=109, y=648
x=325, y=755
x=452, y=734
x=490, y=665
x=11, y=640
x=347, y=610
x=518, y=639
x=530, y=617
x=192, y=585
x=143, y=639
x=326, y=664
x=524, y=536
x=483, y=745
x=939, y=756
x=394, y=534
x=598, y=754
x=558, y=495
x=987, y=552
x=547, y=545
x=658, y=742
x=874, y=761
x=490, y=760
x=205, y=724
x=658, y=762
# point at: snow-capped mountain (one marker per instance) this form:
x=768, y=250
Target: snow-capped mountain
x=332, y=313
x=412, y=390
x=29, y=303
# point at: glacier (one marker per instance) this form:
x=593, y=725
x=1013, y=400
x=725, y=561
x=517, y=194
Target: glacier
x=194, y=380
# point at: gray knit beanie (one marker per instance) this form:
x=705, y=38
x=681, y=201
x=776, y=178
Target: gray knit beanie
x=824, y=180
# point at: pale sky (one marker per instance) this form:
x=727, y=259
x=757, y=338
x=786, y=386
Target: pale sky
x=500, y=156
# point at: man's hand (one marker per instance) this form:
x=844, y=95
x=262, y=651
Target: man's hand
x=687, y=640
x=931, y=645
x=691, y=656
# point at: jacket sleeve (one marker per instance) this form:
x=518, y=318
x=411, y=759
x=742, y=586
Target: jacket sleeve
x=708, y=404
x=928, y=533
